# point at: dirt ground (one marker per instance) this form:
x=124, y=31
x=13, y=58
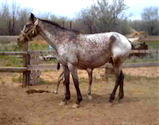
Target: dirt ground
x=139, y=107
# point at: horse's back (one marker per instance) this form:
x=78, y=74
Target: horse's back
x=117, y=42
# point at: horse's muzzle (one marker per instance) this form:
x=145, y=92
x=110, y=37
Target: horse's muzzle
x=19, y=42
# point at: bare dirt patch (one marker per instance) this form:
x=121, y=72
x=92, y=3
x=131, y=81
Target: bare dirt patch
x=139, y=107
x=143, y=71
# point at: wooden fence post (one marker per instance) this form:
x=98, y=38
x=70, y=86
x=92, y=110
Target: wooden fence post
x=26, y=61
x=35, y=74
x=63, y=23
x=70, y=24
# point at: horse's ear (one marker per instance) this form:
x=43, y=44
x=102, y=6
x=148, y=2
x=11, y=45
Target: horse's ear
x=32, y=17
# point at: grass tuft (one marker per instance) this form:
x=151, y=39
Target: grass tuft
x=18, y=79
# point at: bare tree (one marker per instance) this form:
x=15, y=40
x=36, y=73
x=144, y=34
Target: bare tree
x=14, y=15
x=150, y=17
x=87, y=16
x=104, y=15
x=12, y=18
x=23, y=15
x=4, y=19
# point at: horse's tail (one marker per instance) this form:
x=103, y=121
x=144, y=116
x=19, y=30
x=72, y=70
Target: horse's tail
x=58, y=66
x=133, y=40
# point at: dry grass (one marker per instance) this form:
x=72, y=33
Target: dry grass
x=8, y=39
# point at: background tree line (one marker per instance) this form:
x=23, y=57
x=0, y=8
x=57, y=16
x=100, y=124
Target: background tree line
x=102, y=16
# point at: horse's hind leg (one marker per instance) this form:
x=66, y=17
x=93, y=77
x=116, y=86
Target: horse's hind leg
x=89, y=71
x=112, y=96
x=60, y=79
x=119, y=80
x=121, y=89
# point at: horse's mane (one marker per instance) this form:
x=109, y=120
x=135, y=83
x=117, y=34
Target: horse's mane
x=59, y=26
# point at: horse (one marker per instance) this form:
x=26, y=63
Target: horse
x=81, y=51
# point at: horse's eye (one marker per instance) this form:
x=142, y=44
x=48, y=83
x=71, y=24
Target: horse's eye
x=27, y=25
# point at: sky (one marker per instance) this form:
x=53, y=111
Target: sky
x=69, y=8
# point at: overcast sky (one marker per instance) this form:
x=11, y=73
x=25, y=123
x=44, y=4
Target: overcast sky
x=69, y=8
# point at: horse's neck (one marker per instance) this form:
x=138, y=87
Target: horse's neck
x=48, y=33
x=56, y=36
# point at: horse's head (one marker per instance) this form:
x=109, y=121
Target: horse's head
x=29, y=30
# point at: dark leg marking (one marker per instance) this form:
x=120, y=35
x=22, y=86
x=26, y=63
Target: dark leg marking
x=112, y=96
x=121, y=89
x=67, y=83
x=119, y=81
x=79, y=96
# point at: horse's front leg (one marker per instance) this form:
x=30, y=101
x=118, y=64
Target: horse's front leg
x=73, y=71
x=67, y=83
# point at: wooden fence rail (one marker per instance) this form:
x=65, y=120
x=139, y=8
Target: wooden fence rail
x=144, y=51
x=13, y=53
x=27, y=67
x=13, y=69
x=134, y=65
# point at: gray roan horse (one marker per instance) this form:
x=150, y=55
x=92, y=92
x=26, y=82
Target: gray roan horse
x=79, y=51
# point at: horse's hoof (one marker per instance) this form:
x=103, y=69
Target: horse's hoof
x=75, y=106
x=110, y=100
x=120, y=100
x=62, y=103
x=90, y=97
x=55, y=92
x=111, y=104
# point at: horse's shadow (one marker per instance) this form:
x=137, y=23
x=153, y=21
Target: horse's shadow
x=104, y=99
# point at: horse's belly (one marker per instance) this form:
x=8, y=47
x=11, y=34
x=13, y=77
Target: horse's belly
x=93, y=62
